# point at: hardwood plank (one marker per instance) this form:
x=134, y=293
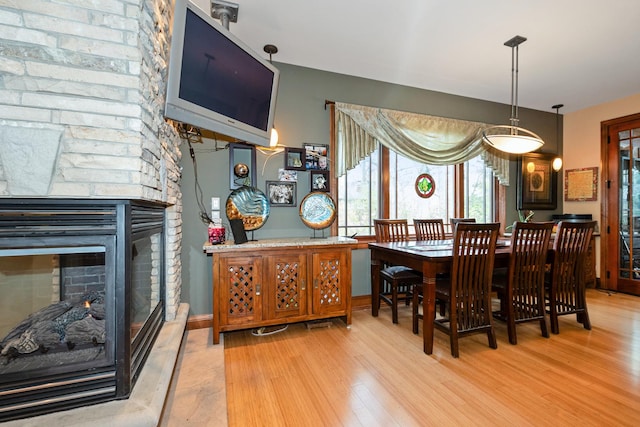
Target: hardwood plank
x=375, y=373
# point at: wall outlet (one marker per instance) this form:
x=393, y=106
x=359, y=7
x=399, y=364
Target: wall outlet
x=215, y=203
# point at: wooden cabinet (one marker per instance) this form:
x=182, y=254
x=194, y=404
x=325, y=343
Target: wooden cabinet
x=278, y=281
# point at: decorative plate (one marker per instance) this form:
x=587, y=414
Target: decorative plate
x=250, y=205
x=317, y=210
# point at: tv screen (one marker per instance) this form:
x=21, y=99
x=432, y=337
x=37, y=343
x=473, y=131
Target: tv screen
x=216, y=82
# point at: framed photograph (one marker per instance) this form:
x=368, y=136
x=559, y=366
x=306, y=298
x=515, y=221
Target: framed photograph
x=287, y=175
x=581, y=185
x=294, y=159
x=317, y=156
x=537, y=182
x=281, y=193
x=242, y=166
x=319, y=180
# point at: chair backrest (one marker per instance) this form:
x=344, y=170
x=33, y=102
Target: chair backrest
x=474, y=247
x=391, y=230
x=570, y=248
x=454, y=221
x=529, y=249
x=429, y=229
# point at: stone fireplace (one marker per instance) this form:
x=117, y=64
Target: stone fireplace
x=81, y=119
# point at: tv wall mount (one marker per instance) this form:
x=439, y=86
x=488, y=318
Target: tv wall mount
x=225, y=11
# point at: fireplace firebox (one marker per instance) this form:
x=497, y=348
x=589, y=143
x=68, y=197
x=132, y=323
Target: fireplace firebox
x=81, y=300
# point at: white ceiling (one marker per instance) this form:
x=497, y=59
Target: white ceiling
x=578, y=53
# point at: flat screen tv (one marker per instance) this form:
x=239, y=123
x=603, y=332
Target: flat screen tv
x=216, y=82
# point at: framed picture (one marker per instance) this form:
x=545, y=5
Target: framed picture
x=242, y=166
x=281, y=193
x=537, y=182
x=294, y=159
x=317, y=156
x=581, y=185
x=319, y=180
x=287, y=175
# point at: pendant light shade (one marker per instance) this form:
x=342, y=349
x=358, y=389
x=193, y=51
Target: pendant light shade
x=512, y=138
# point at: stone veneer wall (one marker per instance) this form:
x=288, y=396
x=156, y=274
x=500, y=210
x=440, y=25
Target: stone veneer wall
x=82, y=87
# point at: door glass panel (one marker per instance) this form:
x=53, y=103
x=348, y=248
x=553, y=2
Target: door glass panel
x=629, y=167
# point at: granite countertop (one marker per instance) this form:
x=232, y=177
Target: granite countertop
x=282, y=242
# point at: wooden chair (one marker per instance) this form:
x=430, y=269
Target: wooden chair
x=565, y=285
x=396, y=280
x=521, y=290
x=467, y=292
x=429, y=229
x=426, y=229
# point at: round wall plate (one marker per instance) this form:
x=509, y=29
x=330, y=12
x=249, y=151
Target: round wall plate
x=317, y=210
x=250, y=205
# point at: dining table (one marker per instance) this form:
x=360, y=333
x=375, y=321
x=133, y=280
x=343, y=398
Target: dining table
x=430, y=257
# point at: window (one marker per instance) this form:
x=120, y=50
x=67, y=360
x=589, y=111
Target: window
x=359, y=197
x=364, y=195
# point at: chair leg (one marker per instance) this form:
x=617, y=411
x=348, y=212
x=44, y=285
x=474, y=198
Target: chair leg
x=511, y=330
x=453, y=339
x=491, y=334
x=510, y=317
x=554, y=322
x=543, y=321
x=543, y=327
x=443, y=308
x=583, y=316
x=586, y=323
x=553, y=315
x=394, y=303
x=414, y=309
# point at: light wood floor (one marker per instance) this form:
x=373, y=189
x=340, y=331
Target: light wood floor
x=375, y=374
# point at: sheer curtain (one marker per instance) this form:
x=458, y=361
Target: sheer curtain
x=430, y=139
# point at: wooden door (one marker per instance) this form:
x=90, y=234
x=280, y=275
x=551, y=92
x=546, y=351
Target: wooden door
x=330, y=281
x=286, y=293
x=621, y=208
x=240, y=290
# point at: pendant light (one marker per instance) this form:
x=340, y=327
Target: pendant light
x=272, y=49
x=557, y=162
x=511, y=138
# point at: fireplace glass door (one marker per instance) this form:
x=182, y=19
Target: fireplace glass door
x=56, y=310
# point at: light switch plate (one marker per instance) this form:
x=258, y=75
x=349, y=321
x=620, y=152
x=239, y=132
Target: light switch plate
x=215, y=203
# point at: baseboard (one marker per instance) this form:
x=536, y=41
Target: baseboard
x=360, y=302
x=200, y=321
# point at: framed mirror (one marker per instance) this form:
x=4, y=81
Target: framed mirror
x=242, y=166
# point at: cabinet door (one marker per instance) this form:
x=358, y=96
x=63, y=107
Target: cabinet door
x=240, y=290
x=331, y=281
x=286, y=293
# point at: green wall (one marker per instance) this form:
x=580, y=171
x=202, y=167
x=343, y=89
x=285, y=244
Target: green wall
x=301, y=118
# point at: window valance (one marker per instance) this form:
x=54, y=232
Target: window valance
x=430, y=139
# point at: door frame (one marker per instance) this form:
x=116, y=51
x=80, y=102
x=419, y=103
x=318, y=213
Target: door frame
x=609, y=253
